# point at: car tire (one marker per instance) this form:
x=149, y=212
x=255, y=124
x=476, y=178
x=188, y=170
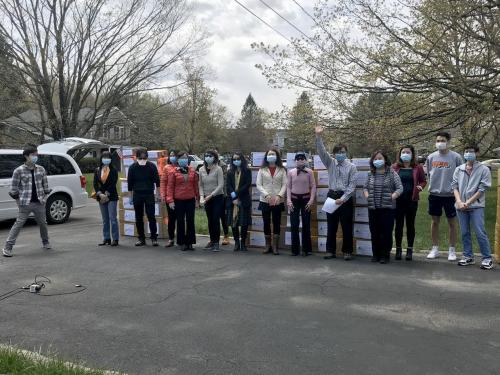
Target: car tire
x=57, y=209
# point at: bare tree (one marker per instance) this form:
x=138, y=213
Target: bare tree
x=73, y=54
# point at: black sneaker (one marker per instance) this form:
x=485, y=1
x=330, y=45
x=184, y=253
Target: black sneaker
x=333, y=256
x=347, y=256
x=154, y=242
x=140, y=243
x=466, y=261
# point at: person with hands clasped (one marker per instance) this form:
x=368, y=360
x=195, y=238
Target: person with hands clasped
x=142, y=179
x=382, y=188
x=301, y=189
x=413, y=179
x=470, y=182
x=182, y=197
x=342, y=184
x=105, y=180
x=271, y=183
x=239, y=208
x=211, y=187
x=170, y=167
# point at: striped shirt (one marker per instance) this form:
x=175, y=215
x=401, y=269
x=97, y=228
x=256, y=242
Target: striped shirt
x=341, y=176
x=380, y=187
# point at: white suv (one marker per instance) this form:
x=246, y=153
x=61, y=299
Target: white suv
x=64, y=177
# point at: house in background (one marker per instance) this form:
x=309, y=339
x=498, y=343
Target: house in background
x=27, y=127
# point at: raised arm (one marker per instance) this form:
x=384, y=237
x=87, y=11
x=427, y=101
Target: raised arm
x=320, y=147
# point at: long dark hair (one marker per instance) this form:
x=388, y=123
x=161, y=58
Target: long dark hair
x=214, y=154
x=168, y=156
x=106, y=154
x=279, y=163
x=413, y=162
x=384, y=154
x=244, y=164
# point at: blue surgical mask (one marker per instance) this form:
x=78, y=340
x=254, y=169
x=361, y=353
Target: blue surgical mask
x=340, y=157
x=271, y=159
x=405, y=158
x=34, y=159
x=237, y=163
x=470, y=156
x=106, y=161
x=378, y=163
x=173, y=159
x=209, y=159
x=183, y=163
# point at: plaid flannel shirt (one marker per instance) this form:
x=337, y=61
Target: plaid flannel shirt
x=21, y=184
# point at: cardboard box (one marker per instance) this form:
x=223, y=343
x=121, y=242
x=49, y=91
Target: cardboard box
x=361, y=214
x=359, y=199
x=257, y=224
x=362, y=231
x=321, y=194
x=129, y=216
x=364, y=247
x=361, y=178
x=322, y=178
x=256, y=239
x=318, y=164
x=130, y=230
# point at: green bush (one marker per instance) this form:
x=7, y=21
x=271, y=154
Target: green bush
x=88, y=165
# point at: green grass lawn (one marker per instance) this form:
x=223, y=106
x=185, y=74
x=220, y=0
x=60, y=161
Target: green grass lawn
x=14, y=361
x=423, y=221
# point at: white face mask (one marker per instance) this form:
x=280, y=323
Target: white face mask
x=441, y=146
x=142, y=162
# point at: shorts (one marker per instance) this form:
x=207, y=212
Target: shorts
x=437, y=204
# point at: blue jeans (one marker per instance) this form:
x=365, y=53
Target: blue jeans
x=474, y=217
x=108, y=213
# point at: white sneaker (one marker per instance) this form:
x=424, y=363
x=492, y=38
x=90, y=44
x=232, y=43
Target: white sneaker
x=434, y=253
x=452, y=255
x=487, y=264
x=7, y=252
x=46, y=246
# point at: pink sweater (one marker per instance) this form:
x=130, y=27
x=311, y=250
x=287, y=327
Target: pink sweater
x=302, y=183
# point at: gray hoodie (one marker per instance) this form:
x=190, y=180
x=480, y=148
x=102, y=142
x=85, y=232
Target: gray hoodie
x=467, y=186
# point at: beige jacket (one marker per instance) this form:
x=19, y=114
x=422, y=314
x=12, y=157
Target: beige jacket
x=271, y=185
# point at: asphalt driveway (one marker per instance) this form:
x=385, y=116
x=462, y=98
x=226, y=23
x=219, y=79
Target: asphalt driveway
x=162, y=311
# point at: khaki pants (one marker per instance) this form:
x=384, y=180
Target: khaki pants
x=38, y=210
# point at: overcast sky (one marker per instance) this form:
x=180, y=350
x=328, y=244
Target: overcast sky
x=231, y=30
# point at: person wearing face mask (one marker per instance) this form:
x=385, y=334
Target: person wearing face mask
x=440, y=167
x=105, y=180
x=271, y=183
x=182, y=196
x=211, y=187
x=470, y=182
x=30, y=189
x=382, y=188
x=167, y=170
x=301, y=189
x=413, y=179
x=342, y=185
x=239, y=207
x=142, y=179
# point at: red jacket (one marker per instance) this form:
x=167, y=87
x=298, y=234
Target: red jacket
x=418, y=179
x=164, y=180
x=181, y=189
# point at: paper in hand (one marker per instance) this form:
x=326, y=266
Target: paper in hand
x=330, y=206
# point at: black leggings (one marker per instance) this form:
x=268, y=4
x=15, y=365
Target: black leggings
x=172, y=217
x=244, y=232
x=406, y=208
x=213, y=208
x=275, y=212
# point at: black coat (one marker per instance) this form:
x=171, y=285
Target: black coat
x=243, y=190
x=142, y=179
x=110, y=184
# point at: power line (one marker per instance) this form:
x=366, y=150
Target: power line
x=314, y=19
x=263, y=21
x=284, y=19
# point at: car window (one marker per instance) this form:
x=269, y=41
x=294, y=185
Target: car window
x=8, y=163
x=56, y=165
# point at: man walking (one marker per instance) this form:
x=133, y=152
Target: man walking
x=30, y=190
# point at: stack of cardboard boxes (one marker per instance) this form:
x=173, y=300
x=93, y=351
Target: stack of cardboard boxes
x=126, y=214
x=362, y=235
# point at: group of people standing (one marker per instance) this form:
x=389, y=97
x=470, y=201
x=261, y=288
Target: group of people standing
x=391, y=190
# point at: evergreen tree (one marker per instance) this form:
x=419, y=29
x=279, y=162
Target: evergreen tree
x=250, y=129
x=300, y=132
